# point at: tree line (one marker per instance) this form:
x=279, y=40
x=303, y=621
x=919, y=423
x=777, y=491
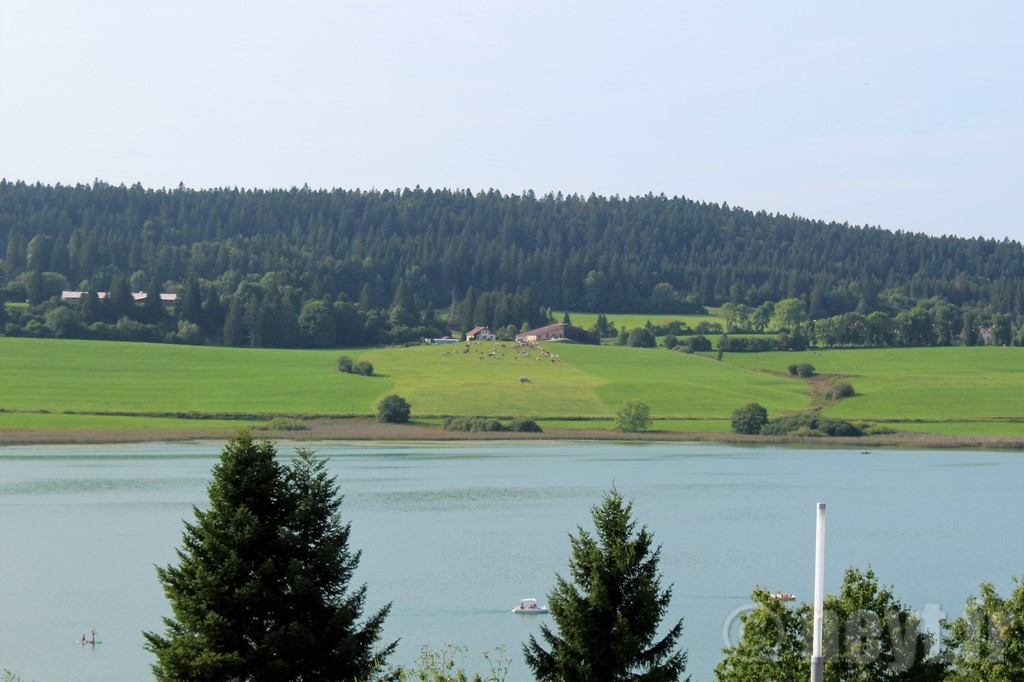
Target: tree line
x=418, y=261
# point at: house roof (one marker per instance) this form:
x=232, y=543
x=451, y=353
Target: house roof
x=558, y=327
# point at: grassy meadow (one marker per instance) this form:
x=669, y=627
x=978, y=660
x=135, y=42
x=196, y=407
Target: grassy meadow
x=115, y=377
x=634, y=320
x=83, y=387
x=924, y=384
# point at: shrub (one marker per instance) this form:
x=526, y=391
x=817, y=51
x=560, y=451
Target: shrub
x=840, y=391
x=670, y=341
x=749, y=419
x=524, y=426
x=448, y=663
x=641, y=337
x=472, y=424
x=282, y=424
x=393, y=409
x=488, y=424
x=752, y=344
x=802, y=370
x=455, y=424
x=633, y=416
x=810, y=424
x=708, y=328
x=698, y=343
x=362, y=367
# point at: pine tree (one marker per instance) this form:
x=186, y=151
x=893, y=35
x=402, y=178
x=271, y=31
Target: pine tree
x=189, y=306
x=609, y=612
x=325, y=638
x=259, y=591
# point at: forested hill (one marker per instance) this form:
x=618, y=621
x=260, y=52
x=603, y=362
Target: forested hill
x=601, y=254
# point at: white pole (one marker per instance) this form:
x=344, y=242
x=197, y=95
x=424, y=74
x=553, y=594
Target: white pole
x=817, y=660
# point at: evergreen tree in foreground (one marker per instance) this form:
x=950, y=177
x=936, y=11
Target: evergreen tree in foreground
x=260, y=590
x=609, y=611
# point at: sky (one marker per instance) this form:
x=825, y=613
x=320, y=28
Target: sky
x=903, y=115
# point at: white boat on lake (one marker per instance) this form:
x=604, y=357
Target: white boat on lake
x=530, y=606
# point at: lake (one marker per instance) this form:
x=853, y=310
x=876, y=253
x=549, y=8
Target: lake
x=454, y=536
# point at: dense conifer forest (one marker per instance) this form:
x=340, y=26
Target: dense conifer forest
x=305, y=267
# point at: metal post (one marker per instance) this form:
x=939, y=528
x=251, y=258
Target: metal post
x=817, y=660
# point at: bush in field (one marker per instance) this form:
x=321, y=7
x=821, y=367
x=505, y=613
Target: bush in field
x=810, y=424
x=524, y=426
x=802, y=370
x=641, y=337
x=698, y=343
x=345, y=364
x=633, y=416
x=489, y=424
x=839, y=391
x=282, y=424
x=749, y=419
x=670, y=341
x=393, y=409
x=472, y=424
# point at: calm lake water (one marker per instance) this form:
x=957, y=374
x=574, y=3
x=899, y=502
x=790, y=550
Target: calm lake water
x=455, y=536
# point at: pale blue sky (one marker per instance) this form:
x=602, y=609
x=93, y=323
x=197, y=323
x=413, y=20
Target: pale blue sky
x=906, y=115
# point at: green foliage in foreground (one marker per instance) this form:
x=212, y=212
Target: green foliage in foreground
x=868, y=635
x=260, y=590
x=609, y=610
x=448, y=665
x=988, y=640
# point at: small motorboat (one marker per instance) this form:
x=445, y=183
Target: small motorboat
x=530, y=606
x=783, y=596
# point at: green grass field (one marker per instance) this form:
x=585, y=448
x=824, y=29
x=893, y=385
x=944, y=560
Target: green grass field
x=584, y=381
x=106, y=376
x=930, y=384
x=634, y=320
x=55, y=385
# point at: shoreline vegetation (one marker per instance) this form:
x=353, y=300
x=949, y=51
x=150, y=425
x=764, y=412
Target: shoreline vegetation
x=365, y=430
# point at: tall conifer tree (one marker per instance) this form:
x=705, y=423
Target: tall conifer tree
x=260, y=589
x=609, y=611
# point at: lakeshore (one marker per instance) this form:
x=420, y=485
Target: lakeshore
x=355, y=430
